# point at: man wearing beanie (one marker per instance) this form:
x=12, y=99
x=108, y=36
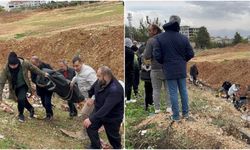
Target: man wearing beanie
x=173, y=51
x=16, y=72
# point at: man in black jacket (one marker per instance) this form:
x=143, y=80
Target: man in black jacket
x=194, y=73
x=44, y=94
x=173, y=50
x=109, y=109
x=69, y=74
x=129, y=69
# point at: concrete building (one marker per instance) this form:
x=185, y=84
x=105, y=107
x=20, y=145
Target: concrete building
x=24, y=4
x=221, y=40
x=189, y=31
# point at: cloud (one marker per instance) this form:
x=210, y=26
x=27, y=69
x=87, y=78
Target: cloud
x=219, y=17
x=219, y=9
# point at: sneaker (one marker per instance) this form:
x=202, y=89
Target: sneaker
x=133, y=100
x=32, y=113
x=169, y=110
x=174, y=120
x=73, y=114
x=157, y=111
x=48, y=118
x=21, y=118
x=91, y=147
x=128, y=101
x=189, y=118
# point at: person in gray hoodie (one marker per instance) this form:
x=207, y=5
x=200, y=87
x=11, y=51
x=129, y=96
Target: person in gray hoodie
x=157, y=76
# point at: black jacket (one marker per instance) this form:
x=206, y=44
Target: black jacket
x=40, y=91
x=109, y=101
x=226, y=85
x=129, y=61
x=173, y=51
x=194, y=71
x=41, y=66
x=71, y=73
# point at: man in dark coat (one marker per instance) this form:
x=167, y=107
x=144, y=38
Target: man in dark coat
x=194, y=73
x=44, y=94
x=109, y=109
x=69, y=74
x=129, y=69
x=136, y=68
x=173, y=51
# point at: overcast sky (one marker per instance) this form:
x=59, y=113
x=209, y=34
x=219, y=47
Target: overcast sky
x=220, y=18
x=4, y=3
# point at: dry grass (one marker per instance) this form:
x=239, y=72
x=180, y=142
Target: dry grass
x=46, y=22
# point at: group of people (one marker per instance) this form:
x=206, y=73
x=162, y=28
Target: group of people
x=103, y=94
x=231, y=90
x=164, y=59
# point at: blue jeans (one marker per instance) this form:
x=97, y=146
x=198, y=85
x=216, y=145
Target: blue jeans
x=172, y=87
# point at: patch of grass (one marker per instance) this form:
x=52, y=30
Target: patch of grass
x=225, y=61
x=9, y=143
x=45, y=22
x=36, y=133
x=22, y=35
x=219, y=122
x=135, y=113
x=198, y=105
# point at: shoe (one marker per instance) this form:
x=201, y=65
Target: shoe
x=128, y=101
x=157, y=111
x=133, y=100
x=169, y=110
x=21, y=118
x=32, y=113
x=73, y=114
x=189, y=118
x=174, y=120
x=91, y=147
x=48, y=118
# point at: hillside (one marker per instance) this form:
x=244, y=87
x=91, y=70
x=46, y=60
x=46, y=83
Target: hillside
x=216, y=125
x=97, y=37
x=221, y=64
x=94, y=31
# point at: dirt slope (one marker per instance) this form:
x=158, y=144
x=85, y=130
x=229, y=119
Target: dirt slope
x=216, y=125
x=96, y=33
x=96, y=47
x=218, y=65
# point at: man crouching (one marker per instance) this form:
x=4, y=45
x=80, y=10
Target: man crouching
x=108, y=111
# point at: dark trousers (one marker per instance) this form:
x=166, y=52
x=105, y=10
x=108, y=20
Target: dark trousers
x=22, y=99
x=148, y=93
x=128, y=84
x=72, y=108
x=112, y=129
x=136, y=81
x=46, y=100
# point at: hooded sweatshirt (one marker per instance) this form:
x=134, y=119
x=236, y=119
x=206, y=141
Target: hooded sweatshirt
x=173, y=51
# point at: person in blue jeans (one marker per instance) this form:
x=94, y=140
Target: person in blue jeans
x=173, y=51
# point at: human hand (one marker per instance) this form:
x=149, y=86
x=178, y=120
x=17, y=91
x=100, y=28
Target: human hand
x=71, y=85
x=86, y=123
x=46, y=74
x=90, y=102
